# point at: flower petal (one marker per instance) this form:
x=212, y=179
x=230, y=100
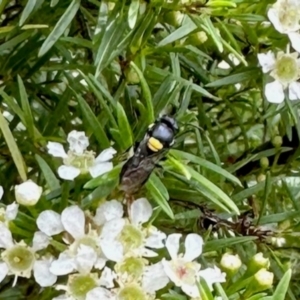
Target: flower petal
x=107, y=211
x=172, y=244
x=267, y=61
x=155, y=239
x=294, y=91
x=49, y=222
x=85, y=259
x=113, y=250
x=295, y=40
x=100, y=263
x=11, y=211
x=154, y=278
x=169, y=270
x=274, y=18
x=191, y=290
x=193, y=246
x=73, y=220
x=68, y=172
x=100, y=168
x=274, y=92
x=107, y=278
x=106, y=155
x=140, y=211
x=3, y=270
x=63, y=265
x=100, y=293
x=212, y=275
x=56, y=150
x=6, y=240
x=145, y=252
x=112, y=229
x=1, y=192
x=40, y=241
x=42, y=274
x=78, y=141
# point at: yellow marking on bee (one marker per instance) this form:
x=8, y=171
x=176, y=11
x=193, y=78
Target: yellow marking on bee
x=154, y=144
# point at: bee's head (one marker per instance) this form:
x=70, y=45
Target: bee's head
x=162, y=133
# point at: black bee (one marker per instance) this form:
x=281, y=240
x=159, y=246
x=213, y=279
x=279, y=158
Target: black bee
x=153, y=147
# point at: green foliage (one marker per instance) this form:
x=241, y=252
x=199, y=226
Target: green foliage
x=110, y=69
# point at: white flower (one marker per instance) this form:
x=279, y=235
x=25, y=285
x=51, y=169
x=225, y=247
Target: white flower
x=28, y=193
x=285, y=16
x=78, y=160
x=121, y=236
x=83, y=254
x=20, y=260
x=1, y=192
x=183, y=270
x=285, y=69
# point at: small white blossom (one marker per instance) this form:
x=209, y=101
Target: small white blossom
x=20, y=260
x=121, y=236
x=285, y=16
x=28, y=193
x=183, y=270
x=83, y=254
x=1, y=192
x=78, y=160
x=285, y=69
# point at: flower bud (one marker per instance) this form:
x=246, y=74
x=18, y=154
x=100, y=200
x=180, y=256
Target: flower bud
x=132, y=76
x=261, y=281
x=277, y=141
x=197, y=38
x=174, y=18
x=261, y=177
x=264, y=279
x=257, y=262
x=230, y=263
x=28, y=193
x=264, y=162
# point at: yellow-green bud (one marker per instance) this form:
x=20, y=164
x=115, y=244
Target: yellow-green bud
x=197, y=38
x=257, y=262
x=230, y=263
x=278, y=241
x=261, y=281
x=277, y=141
x=264, y=162
x=261, y=177
x=131, y=76
x=264, y=279
x=174, y=18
